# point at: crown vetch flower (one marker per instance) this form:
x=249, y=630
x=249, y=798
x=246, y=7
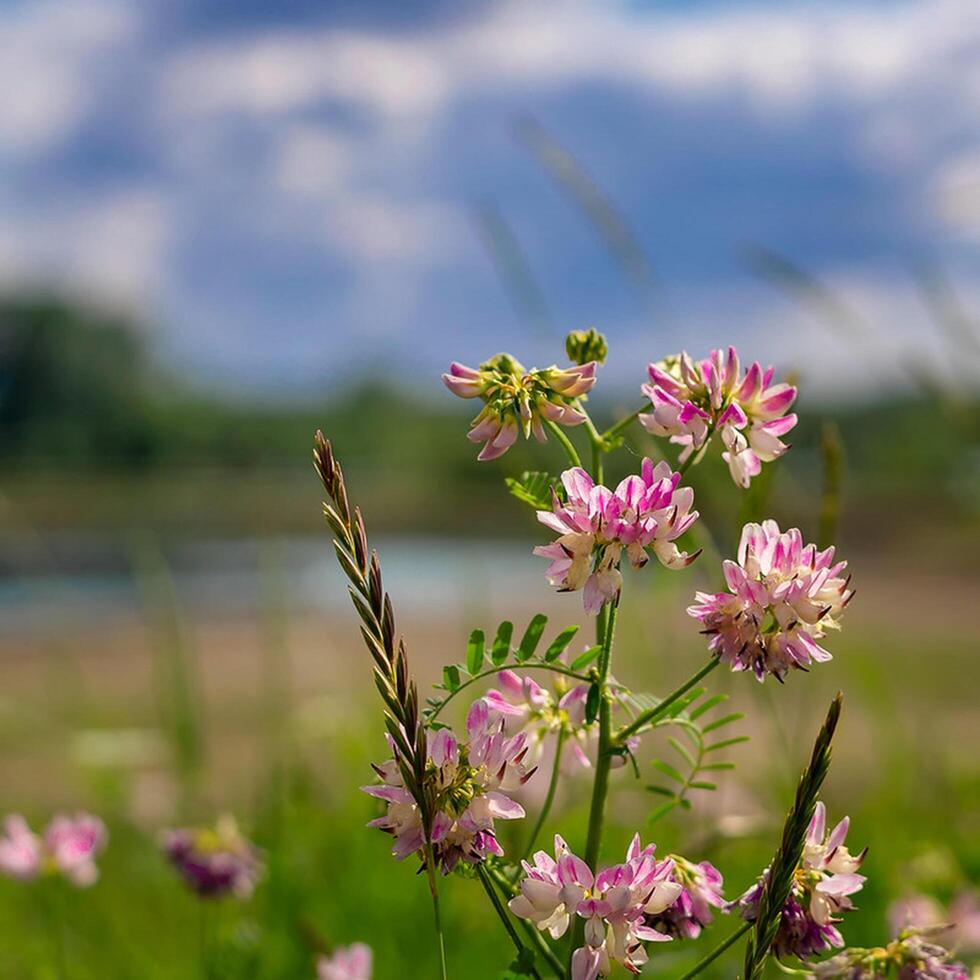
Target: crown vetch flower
x=68, y=846
x=214, y=862
x=911, y=956
x=614, y=904
x=352, y=962
x=822, y=885
x=783, y=598
x=701, y=886
x=518, y=400
x=596, y=525
x=691, y=400
x=469, y=783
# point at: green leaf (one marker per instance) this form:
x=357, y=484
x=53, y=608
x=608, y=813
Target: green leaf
x=532, y=636
x=721, y=722
x=707, y=705
x=559, y=643
x=450, y=677
x=475, y=652
x=662, y=790
x=662, y=810
x=532, y=488
x=702, y=785
x=728, y=741
x=684, y=751
x=592, y=704
x=501, y=643
x=668, y=770
x=716, y=767
x=584, y=659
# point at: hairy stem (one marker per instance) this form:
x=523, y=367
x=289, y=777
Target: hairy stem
x=652, y=714
x=706, y=961
x=550, y=797
x=566, y=443
x=501, y=911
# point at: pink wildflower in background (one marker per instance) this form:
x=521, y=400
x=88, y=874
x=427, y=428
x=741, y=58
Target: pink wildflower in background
x=470, y=783
x=615, y=905
x=596, y=525
x=692, y=400
x=352, y=962
x=517, y=400
x=912, y=956
x=822, y=886
x=783, y=598
x=701, y=886
x=68, y=846
x=214, y=862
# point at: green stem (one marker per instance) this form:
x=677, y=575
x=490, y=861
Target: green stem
x=550, y=797
x=530, y=931
x=566, y=443
x=595, y=441
x=622, y=424
x=717, y=951
x=437, y=915
x=554, y=667
x=502, y=914
x=600, y=785
x=655, y=712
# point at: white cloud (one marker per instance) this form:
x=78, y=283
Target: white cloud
x=49, y=51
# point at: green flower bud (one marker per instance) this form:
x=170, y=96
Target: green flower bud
x=583, y=346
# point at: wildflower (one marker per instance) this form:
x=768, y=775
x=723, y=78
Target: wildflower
x=583, y=346
x=596, y=524
x=822, y=886
x=614, y=905
x=691, y=401
x=68, y=846
x=517, y=400
x=214, y=862
x=911, y=956
x=469, y=782
x=352, y=962
x=783, y=598
x=700, y=892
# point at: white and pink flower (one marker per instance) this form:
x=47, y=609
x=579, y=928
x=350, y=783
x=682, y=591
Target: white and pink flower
x=596, y=525
x=784, y=596
x=354, y=962
x=68, y=846
x=692, y=400
x=615, y=905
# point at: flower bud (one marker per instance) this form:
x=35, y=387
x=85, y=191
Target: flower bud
x=583, y=346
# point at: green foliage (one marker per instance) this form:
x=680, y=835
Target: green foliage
x=533, y=488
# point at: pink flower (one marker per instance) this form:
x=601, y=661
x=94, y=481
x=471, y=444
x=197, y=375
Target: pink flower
x=470, y=784
x=69, y=846
x=700, y=892
x=614, y=904
x=596, y=525
x=783, y=598
x=352, y=962
x=214, y=862
x=690, y=401
x=911, y=956
x=517, y=400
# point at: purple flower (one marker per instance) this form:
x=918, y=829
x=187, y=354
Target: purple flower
x=822, y=886
x=470, y=784
x=214, y=862
x=783, y=597
x=912, y=956
x=69, y=846
x=689, y=401
x=615, y=905
x=517, y=400
x=596, y=525
x=701, y=886
x=352, y=962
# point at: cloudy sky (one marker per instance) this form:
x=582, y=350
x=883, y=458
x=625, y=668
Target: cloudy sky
x=292, y=193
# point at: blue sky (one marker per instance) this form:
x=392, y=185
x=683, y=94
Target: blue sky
x=286, y=192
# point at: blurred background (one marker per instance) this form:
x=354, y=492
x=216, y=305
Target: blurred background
x=224, y=225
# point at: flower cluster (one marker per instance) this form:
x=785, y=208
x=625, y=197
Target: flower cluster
x=783, y=598
x=701, y=886
x=214, y=862
x=822, y=885
x=352, y=962
x=912, y=956
x=518, y=400
x=615, y=905
x=692, y=400
x=68, y=846
x=469, y=784
x=595, y=525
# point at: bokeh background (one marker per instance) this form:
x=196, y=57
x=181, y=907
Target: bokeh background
x=223, y=225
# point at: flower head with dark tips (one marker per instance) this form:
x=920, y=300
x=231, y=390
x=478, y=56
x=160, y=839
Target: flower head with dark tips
x=354, y=962
x=691, y=400
x=615, y=905
x=214, y=862
x=519, y=401
x=701, y=886
x=783, y=598
x=597, y=525
x=822, y=885
x=68, y=847
x=913, y=955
